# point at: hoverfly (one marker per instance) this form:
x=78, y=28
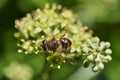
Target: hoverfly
x=57, y=42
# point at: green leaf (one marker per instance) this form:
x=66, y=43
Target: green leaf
x=83, y=74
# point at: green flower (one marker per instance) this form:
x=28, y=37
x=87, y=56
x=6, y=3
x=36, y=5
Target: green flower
x=57, y=22
x=96, y=52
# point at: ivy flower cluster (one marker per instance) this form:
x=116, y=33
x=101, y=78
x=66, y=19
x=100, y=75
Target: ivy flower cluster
x=96, y=52
x=14, y=68
x=40, y=26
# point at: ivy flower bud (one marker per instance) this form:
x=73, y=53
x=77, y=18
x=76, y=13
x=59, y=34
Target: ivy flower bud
x=90, y=57
x=101, y=66
x=108, y=51
x=95, y=68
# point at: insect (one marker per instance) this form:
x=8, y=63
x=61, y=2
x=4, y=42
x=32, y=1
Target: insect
x=55, y=44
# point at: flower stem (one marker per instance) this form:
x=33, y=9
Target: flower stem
x=44, y=74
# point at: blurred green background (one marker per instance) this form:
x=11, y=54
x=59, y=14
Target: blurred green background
x=103, y=16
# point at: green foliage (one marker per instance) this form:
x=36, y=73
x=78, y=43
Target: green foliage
x=103, y=14
x=2, y=3
x=41, y=31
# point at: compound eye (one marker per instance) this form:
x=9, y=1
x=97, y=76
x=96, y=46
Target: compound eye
x=44, y=45
x=65, y=43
